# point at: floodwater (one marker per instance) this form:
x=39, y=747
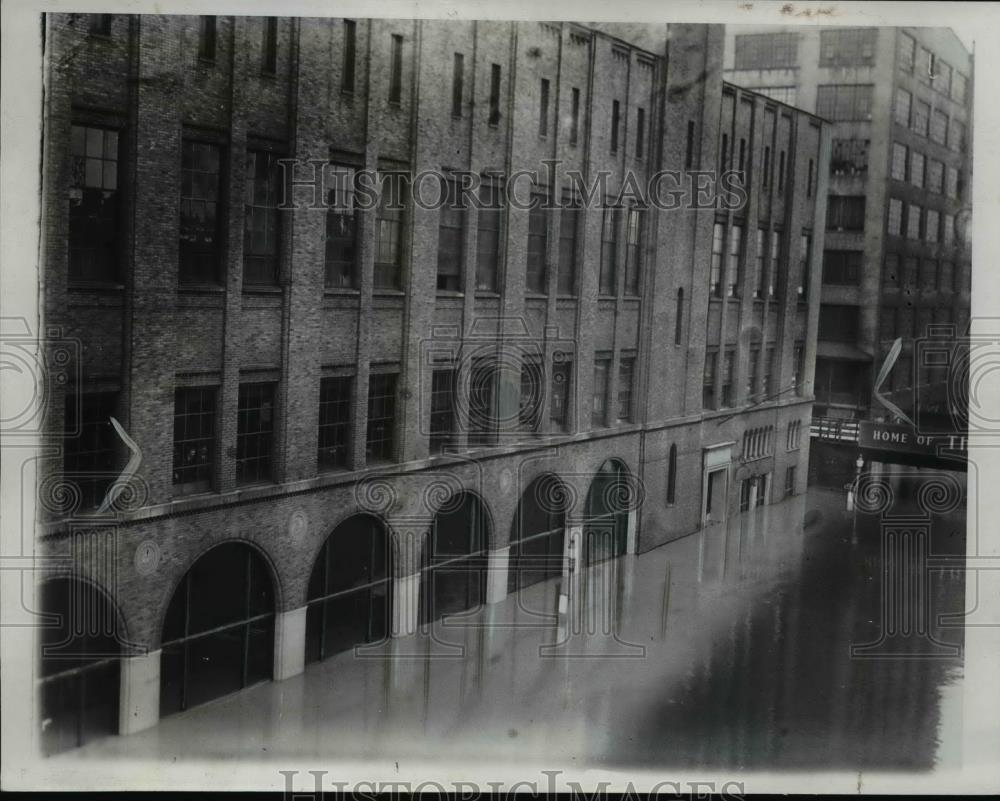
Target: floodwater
x=728, y=649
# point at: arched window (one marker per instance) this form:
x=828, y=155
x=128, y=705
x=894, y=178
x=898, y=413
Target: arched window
x=218, y=634
x=679, y=318
x=79, y=670
x=605, y=529
x=672, y=474
x=454, y=577
x=536, y=547
x=350, y=589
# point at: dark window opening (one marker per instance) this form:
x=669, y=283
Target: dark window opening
x=269, y=65
x=341, y=256
x=94, y=205
x=451, y=227
x=334, y=422
x=396, y=70
x=261, y=220
x=194, y=439
x=380, y=439
x=207, y=38
x=350, y=56
x=255, y=433
x=200, y=224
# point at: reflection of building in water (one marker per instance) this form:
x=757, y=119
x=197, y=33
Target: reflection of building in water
x=357, y=418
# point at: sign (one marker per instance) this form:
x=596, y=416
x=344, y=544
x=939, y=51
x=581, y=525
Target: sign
x=906, y=439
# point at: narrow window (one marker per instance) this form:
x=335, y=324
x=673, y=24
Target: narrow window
x=489, y=225
x=206, y=38
x=633, y=251
x=743, y=155
x=538, y=240
x=529, y=400
x=679, y=318
x=569, y=221
x=254, y=433
x=482, y=413
x=724, y=157
x=89, y=452
x=199, y=224
x=640, y=133
x=261, y=219
x=269, y=65
x=672, y=475
x=809, y=179
x=715, y=270
x=728, y=361
x=609, y=250
x=559, y=407
x=451, y=218
x=194, y=439
x=781, y=171
x=766, y=180
x=334, y=422
x=543, y=108
x=380, y=439
x=457, y=81
x=350, y=55
x=494, y=95
x=442, y=409
x=735, y=257
x=341, y=257
x=396, y=69
x=708, y=380
x=626, y=378
x=615, y=114
x=389, y=231
x=93, y=205
x=761, y=263
x=599, y=397
x=100, y=24
x=574, y=125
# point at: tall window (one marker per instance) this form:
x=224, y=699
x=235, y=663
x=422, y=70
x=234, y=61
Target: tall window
x=708, y=380
x=799, y=368
x=640, y=133
x=574, y=120
x=89, y=456
x=939, y=127
x=847, y=101
x=735, y=256
x=482, y=411
x=489, y=223
x=760, y=51
x=776, y=277
x=494, y=118
x=790, y=480
x=538, y=241
x=457, y=84
x=672, y=475
x=199, y=225
x=935, y=176
x=334, y=421
x=341, y=256
x=254, y=433
x=530, y=397
x=956, y=136
x=895, y=222
x=917, y=162
x=959, y=88
x=633, y=250
x=951, y=182
x=206, y=37
x=805, y=248
x=615, y=121
x=781, y=171
x=261, y=221
x=843, y=47
x=396, y=69
x=767, y=382
x=931, y=225
x=559, y=405
x=904, y=101
x=389, y=231
x=194, y=438
x=715, y=273
x=543, y=108
x=728, y=361
x=921, y=117
x=451, y=218
x=845, y=212
x=599, y=396
x=350, y=56
x=442, y=409
x=626, y=379
x=269, y=62
x=898, y=169
x=906, y=57
x=679, y=318
x=609, y=251
x=569, y=222
x=753, y=371
x=760, y=262
x=913, y=213
x=93, y=204
x=380, y=438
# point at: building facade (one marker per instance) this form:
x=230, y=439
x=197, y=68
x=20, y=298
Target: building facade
x=296, y=421
x=897, y=263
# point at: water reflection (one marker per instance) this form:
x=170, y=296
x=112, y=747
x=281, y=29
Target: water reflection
x=727, y=648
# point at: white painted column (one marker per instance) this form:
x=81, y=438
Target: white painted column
x=496, y=575
x=289, y=643
x=139, y=693
x=405, y=604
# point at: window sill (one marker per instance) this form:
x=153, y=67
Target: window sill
x=486, y=293
x=531, y=293
x=566, y=297
x=181, y=494
x=206, y=62
x=450, y=293
x=199, y=289
x=341, y=290
x=389, y=293
x=607, y=297
x=95, y=286
x=261, y=289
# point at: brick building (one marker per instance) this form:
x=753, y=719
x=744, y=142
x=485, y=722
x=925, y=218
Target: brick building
x=349, y=420
x=897, y=262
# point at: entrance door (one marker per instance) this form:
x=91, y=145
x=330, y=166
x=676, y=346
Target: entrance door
x=715, y=496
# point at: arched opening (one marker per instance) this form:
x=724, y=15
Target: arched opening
x=605, y=529
x=218, y=633
x=350, y=589
x=454, y=576
x=672, y=475
x=80, y=667
x=536, y=546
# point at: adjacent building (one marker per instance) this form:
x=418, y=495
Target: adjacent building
x=296, y=421
x=897, y=260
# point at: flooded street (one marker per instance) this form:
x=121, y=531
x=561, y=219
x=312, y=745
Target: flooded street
x=728, y=649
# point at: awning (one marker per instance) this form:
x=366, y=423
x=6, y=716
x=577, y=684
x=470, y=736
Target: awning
x=843, y=351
